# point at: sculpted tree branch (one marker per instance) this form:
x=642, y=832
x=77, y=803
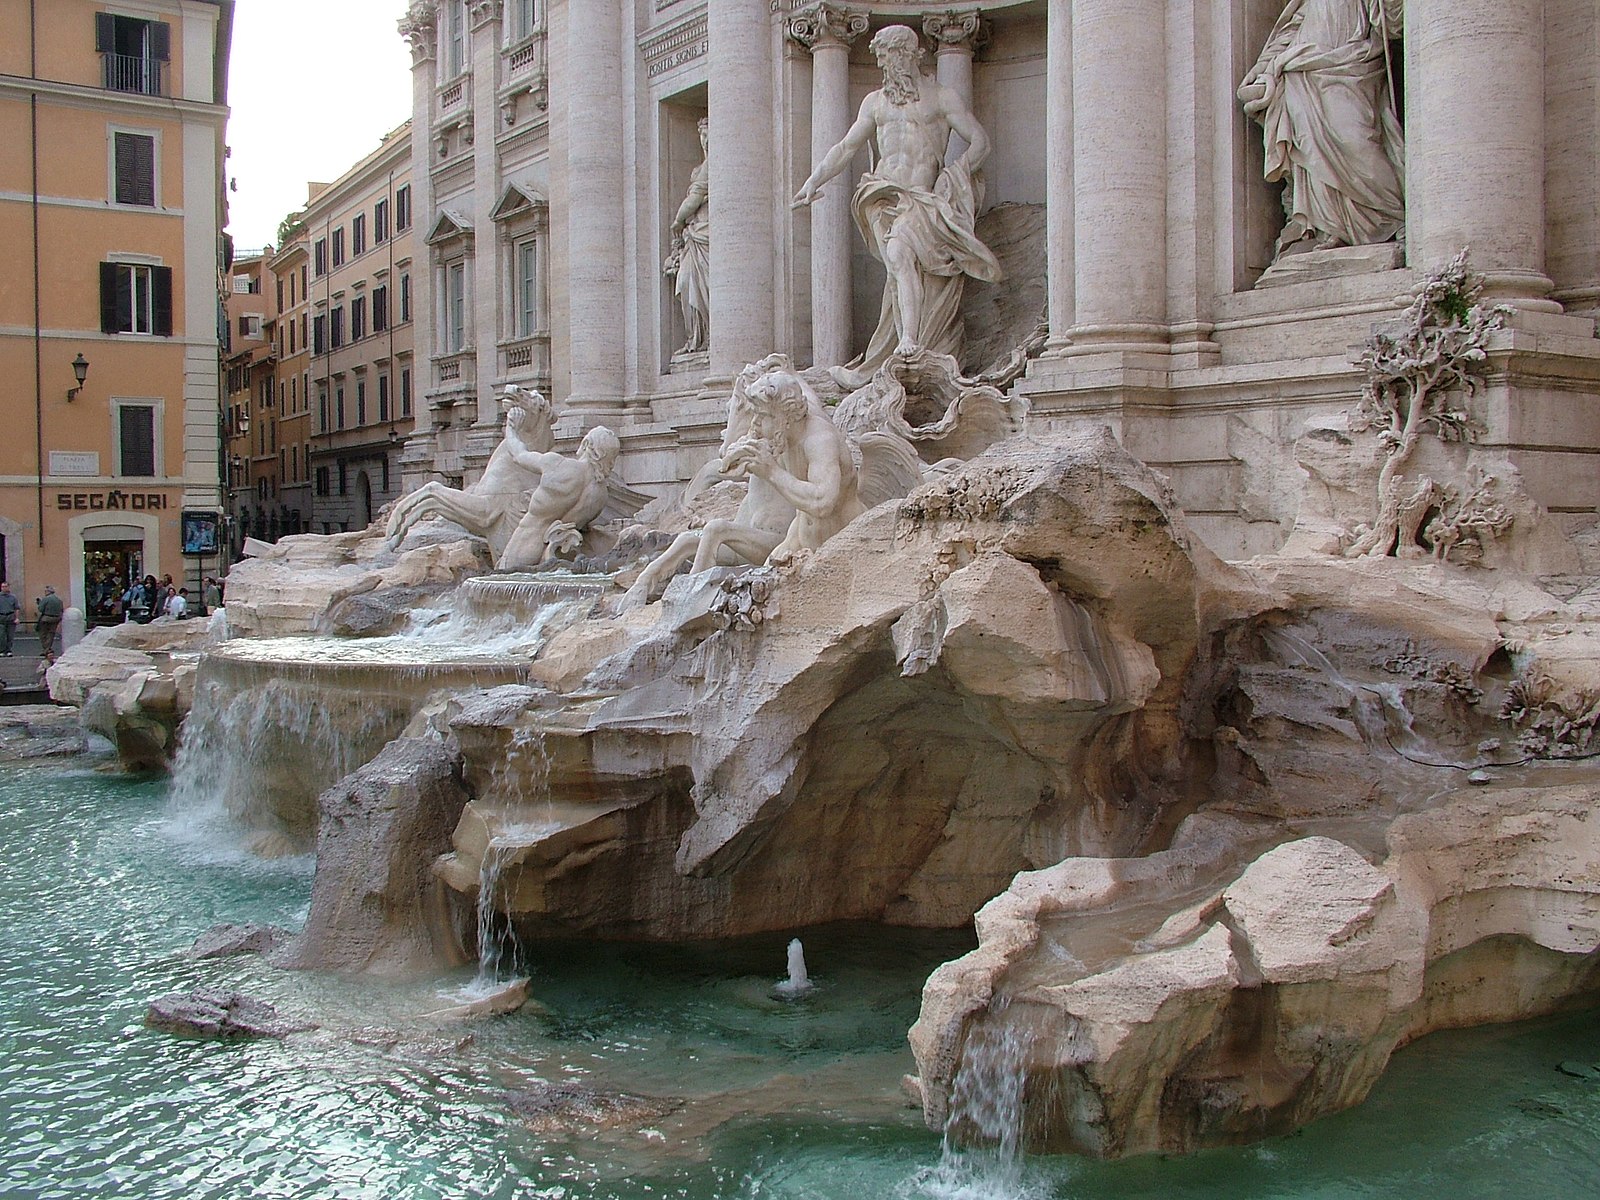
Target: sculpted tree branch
x=1437, y=350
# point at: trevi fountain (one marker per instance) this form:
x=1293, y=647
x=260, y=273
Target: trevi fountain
x=920, y=794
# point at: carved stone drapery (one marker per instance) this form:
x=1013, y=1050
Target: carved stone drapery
x=482, y=12
x=419, y=26
x=826, y=24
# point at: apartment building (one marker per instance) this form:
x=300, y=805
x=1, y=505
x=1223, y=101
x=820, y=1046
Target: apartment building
x=358, y=234
x=255, y=468
x=111, y=123
x=291, y=270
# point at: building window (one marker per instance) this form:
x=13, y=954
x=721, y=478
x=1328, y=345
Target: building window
x=380, y=308
x=358, y=234
x=527, y=284
x=292, y=350
x=383, y=397
x=522, y=19
x=361, y=402
x=358, y=318
x=136, y=439
x=455, y=37
x=280, y=295
x=135, y=168
x=305, y=286
x=402, y=208
x=455, y=307
x=344, y=478
x=320, y=253
x=135, y=299
x=380, y=221
x=322, y=488
x=338, y=327
x=405, y=298
x=322, y=409
x=405, y=392
x=338, y=246
x=319, y=334
x=133, y=53
x=338, y=407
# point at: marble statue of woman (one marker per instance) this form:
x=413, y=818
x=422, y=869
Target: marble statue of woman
x=1322, y=91
x=916, y=213
x=690, y=261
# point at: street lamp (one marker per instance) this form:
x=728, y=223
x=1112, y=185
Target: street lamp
x=80, y=369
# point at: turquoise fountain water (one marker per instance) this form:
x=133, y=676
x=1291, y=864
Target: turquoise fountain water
x=105, y=887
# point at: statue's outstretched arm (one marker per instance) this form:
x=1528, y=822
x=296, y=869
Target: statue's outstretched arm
x=839, y=157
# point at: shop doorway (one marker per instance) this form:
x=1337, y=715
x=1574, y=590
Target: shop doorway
x=109, y=568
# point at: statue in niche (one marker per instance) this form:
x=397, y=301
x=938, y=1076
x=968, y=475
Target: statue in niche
x=916, y=213
x=530, y=503
x=1323, y=92
x=689, y=264
x=801, y=472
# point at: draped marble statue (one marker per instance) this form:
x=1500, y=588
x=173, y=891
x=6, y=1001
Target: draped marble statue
x=689, y=264
x=1322, y=91
x=916, y=213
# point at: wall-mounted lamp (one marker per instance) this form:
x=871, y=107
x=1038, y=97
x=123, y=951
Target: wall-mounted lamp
x=80, y=369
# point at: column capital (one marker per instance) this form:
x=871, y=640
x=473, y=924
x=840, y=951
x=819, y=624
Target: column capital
x=824, y=24
x=485, y=11
x=955, y=31
x=419, y=27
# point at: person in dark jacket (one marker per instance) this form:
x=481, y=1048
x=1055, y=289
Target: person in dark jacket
x=50, y=609
x=10, y=606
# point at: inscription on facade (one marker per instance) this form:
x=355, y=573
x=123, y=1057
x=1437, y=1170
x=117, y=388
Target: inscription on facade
x=676, y=46
x=113, y=501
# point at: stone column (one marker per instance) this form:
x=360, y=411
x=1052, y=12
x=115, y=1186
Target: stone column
x=741, y=179
x=956, y=37
x=419, y=27
x=1475, y=142
x=1119, y=187
x=1058, y=174
x=595, y=128
x=483, y=51
x=827, y=31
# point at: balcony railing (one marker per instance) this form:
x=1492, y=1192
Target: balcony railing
x=133, y=73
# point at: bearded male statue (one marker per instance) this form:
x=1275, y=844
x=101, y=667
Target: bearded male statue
x=1323, y=92
x=916, y=214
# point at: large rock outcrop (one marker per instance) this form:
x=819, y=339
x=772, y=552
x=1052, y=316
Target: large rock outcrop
x=977, y=680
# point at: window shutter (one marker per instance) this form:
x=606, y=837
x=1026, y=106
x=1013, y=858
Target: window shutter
x=136, y=169
x=105, y=33
x=163, y=299
x=160, y=41
x=138, y=440
x=108, y=298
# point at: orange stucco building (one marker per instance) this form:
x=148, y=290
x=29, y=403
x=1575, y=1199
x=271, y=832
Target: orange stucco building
x=111, y=210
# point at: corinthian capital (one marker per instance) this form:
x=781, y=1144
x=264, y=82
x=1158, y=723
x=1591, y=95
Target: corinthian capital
x=955, y=30
x=826, y=24
x=419, y=27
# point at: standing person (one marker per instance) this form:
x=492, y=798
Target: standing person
x=178, y=606
x=50, y=609
x=10, y=606
x=213, y=593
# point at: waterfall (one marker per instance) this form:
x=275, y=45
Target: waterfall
x=981, y=1155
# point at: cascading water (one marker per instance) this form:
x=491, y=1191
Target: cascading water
x=981, y=1155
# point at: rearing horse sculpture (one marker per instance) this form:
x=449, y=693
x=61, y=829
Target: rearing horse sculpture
x=493, y=505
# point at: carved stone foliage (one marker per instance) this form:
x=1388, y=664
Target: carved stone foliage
x=1435, y=353
x=826, y=24
x=420, y=29
x=1550, y=724
x=484, y=11
x=955, y=29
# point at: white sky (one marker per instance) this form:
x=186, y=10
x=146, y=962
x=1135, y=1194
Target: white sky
x=314, y=85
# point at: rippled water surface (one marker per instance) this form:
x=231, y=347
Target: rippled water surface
x=104, y=888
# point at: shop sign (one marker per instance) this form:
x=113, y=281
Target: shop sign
x=112, y=501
